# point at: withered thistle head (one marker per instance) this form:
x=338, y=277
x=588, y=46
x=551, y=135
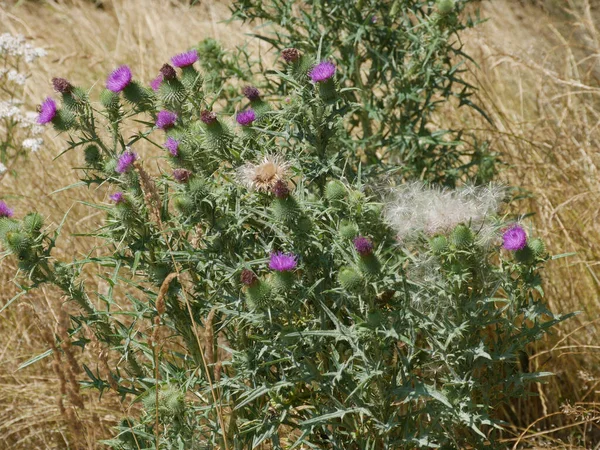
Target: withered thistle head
x=168, y=72
x=61, y=85
x=290, y=55
x=280, y=189
x=208, y=117
x=248, y=278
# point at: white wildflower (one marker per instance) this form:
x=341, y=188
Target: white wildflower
x=3, y=169
x=263, y=176
x=17, y=77
x=18, y=47
x=414, y=208
x=33, y=144
x=10, y=109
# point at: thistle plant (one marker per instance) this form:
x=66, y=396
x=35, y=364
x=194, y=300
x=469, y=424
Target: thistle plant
x=19, y=129
x=262, y=291
x=399, y=61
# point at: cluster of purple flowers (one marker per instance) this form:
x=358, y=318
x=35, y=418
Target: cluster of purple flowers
x=322, y=72
x=5, y=211
x=173, y=146
x=126, y=161
x=165, y=119
x=117, y=197
x=283, y=262
x=363, y=245
x=119, y=79
x=514, y=238
x=47, y=111
x=245, y=118
x=185, y=59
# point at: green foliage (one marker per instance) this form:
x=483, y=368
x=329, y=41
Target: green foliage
x=399, y=61
x=404, y=345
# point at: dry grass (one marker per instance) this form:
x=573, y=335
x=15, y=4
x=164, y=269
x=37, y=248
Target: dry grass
x=539, y=81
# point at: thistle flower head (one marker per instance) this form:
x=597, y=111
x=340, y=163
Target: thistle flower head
x=280, y=189
x=126, y=161
x=117, y=197
x=185, y=59
x=248, y=278
x=414, y=208
x=47, y=111
x=182, y=175
x=245, y=118
x=172, y=145
x=283, y=262
x=290, y=55
x=208, y=117
x=165, y=119
x=251, y=93
x=322, y=72
x=264, y=175
x=61, y=85
x=363, y=245
x=514, y=238
x=5, y=211
x=119, y=79
x=155, y=84
x=168, y=72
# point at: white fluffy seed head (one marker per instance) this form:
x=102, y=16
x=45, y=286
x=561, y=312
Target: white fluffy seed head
x=414, y=208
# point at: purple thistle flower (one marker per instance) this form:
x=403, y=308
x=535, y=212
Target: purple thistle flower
x=208, y=117
x=155, y=84
x=248, y=277
x=251, y=93
x=182, y=175
x=363, y=245
x=168, y=72
x=126, y=161
x=61, y=85
x=245, y=118
x=290, y=55
x=119, y=79
x=117, y=197
x=5, y=211
x=47, y=111
x=374, y=19
x=322, y=72
x=173, y=146
x=185, y=59
x=280, y=189
x=514, y=238
x=283, y=262
x=165, y=119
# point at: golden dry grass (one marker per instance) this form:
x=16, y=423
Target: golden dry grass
x=539, y=82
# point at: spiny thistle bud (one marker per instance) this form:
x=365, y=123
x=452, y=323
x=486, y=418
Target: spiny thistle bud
x=172, y=92
x=335, y=190
x=136, y=94
x=182, y=175
x=304, y=224
x=92, y=155
x=290, y=55
x=438, y=244
x=208, y=117
x=251, y=93
x=168, y=72
x=525, y=255
x=259, y=294
x=445, y=7
x=7, y=225
x=369, y=264
x=280, y=189
x=63, y=120
x=283, y=281
x=537, y=246
x=33, y=223
x=17, y=241
x=109, y=100
x=170, y=401
x=62, y=86
x=184, y=204
x=462, y=236
x=248, y=278
x=286, y=209
x=349, y=279
x=348, y=230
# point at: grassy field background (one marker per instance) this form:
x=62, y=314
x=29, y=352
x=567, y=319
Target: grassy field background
x=537, y=66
